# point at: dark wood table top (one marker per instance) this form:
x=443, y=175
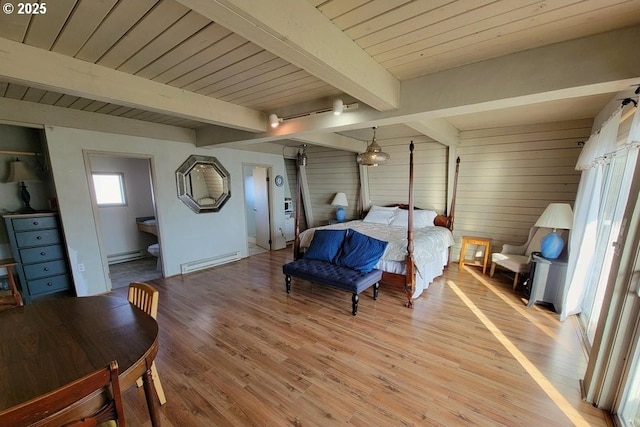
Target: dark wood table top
x=47, y=344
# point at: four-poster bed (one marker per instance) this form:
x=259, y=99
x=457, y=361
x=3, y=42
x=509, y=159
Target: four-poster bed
x=410, y=262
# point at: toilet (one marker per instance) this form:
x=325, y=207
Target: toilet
x=155, y=251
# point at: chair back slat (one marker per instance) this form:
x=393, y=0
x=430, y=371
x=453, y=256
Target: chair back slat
x=145, y=297
x=58, y=406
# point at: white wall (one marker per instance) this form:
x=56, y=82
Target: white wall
x=119, y=229
x=185, y=236
x=249, y=200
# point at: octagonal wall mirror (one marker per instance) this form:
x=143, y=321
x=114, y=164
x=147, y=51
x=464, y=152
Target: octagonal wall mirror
x=203, y=184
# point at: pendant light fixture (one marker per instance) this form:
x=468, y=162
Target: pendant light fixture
x=374, y=155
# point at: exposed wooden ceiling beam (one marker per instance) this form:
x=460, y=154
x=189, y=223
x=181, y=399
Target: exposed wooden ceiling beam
x=439, y=130
x=296, y=31
x=332, y=140
x=42, y=69
x=587, y=66
x=29, y=114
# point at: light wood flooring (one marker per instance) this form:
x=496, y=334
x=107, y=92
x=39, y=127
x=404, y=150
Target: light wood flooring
x=236, y=350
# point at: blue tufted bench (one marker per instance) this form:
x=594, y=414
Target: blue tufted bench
x=330, y=274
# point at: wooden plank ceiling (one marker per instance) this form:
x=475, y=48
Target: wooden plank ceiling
x=166, y=42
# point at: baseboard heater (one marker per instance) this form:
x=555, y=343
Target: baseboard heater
x=126, y=256
x=201, y=264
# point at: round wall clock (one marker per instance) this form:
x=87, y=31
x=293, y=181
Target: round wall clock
x=279, y=180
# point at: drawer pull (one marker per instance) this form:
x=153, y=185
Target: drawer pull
x=43, y=253
x=49, y=284
x=46, y=269
x=39, y=237
x=35, y=222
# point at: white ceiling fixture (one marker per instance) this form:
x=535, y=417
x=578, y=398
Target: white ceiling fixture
x=337, y=108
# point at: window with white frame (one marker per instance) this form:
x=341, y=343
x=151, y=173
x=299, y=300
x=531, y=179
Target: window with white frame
x=109, y=188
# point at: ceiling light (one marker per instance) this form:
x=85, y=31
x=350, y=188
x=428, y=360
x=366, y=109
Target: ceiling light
x=338, y=107
x=374, y=155
x=274, y=120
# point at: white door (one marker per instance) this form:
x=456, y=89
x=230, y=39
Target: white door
x=261, y=191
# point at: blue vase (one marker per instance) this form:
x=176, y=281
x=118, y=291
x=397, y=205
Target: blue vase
x=552, y=245
x=340, y=215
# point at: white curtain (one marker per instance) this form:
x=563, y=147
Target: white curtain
x=582, y=242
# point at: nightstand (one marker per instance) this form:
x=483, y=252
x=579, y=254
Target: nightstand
x=477, y=241
x=547, y=281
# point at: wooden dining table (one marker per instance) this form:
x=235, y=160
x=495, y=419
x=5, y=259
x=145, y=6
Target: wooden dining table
x=50, y=343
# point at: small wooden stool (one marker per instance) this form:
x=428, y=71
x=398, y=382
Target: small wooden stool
x=15, y=299
x=478, y=241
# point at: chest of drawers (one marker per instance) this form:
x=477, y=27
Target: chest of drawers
x=38, y=246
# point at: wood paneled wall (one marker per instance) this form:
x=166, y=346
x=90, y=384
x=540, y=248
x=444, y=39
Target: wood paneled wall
x=390, y=183
x=509, y=175
x=330, y=171
x=507, y=178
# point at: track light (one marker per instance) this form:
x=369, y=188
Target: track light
x=338, y=107
x=274, y=120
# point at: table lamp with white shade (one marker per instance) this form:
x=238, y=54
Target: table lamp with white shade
x=340, y=200
x=556, y=215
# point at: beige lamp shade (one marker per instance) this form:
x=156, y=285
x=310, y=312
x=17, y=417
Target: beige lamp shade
x=556, y=215
x=19, y=172
x=340, y=199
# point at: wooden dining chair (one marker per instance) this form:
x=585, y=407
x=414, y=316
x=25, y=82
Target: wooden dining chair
x=63, y=406
x=145, y=297
x=12, y=297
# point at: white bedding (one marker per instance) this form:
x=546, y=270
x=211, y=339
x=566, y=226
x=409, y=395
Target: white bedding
x=430, y=253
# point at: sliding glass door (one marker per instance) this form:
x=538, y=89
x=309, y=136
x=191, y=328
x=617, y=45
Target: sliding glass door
x=615, y=193
x=629, y=412
x=627, y=405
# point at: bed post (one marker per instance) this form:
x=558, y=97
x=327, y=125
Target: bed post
x=410, y=275
x=301, y=161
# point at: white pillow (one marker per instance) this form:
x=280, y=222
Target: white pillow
x=380, y=215
x=421, y=218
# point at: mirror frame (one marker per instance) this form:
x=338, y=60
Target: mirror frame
x=182, y=176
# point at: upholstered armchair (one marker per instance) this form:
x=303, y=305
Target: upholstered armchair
x=518, y=258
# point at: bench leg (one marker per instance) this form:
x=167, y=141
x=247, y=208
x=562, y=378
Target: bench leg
x=375, y=291
x=354, y=305
x=287, y=282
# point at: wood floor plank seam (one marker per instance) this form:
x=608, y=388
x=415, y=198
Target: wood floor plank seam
x=235, y=349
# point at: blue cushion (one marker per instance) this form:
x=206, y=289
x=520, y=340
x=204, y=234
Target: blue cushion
x=360, y=252
x=325, y=245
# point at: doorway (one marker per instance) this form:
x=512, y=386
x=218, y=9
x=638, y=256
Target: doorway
x=257, y=202
x=124, y=209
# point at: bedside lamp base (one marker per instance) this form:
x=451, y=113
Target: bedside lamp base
x=552, y=245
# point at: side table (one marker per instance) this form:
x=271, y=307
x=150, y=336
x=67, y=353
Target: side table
x=15, y=298
x=548, y=281
x=478, y=241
